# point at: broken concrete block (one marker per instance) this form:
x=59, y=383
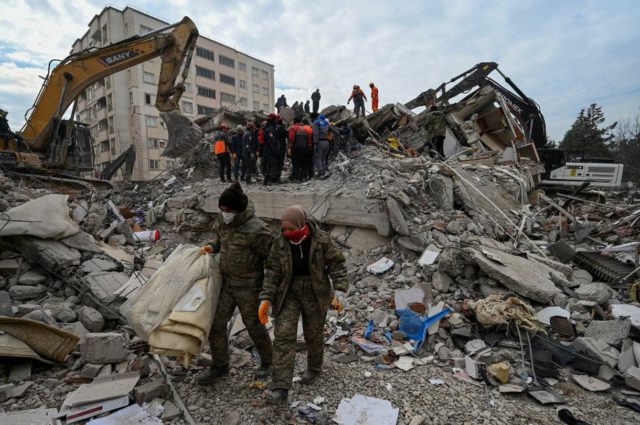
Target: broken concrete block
x=596, y=291
x=47, y=253
x=90, y=318
x=596, y=349
x=82, y=242
x=146, y=392
x=75, y=328
x=626, y=359
x=98, y=265
x=103, y=348
x=90, y=370
x=20, y=371
x=440, y=187
x=104, y=284
x=42, y=316
x=441, y=282
x=632, y=377
x=65, y=313
x=563, y=251
x=32, y=278
x=526, y=278
x=454, y=228
x=5, y=392
x=590, y=383
x=5, y=304
x=170, y=411
x=398, y=223
x=24, y=292
x=9, y=266
x=610, y=331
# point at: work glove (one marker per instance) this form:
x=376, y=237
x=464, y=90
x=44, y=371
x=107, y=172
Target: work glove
x=339, y=301
x=207, y=249
x=264, y=311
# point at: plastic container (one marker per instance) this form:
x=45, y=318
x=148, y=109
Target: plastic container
x=147, y=236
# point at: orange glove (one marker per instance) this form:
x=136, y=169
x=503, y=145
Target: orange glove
x=338, y=301
x=207, y=249
x=264, y=311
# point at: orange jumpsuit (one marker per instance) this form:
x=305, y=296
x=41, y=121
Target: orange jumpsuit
x=374, y=98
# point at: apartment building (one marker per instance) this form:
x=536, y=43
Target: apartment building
x=120, y=109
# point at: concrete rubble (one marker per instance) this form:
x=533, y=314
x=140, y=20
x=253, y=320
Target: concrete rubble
x=426, y=240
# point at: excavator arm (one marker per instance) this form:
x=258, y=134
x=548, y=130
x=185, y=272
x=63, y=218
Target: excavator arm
x=525, y=109
x=174, y=44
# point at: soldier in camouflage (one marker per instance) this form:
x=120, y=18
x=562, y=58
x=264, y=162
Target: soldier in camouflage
x=243, y=241
x=436, y=126
x=305, y=272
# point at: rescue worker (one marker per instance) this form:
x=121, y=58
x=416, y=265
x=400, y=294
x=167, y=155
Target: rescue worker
x=281, y=103
x=269, y=140
x=359, y=98
x=307, y=109
x=322, y=146
x=250, y=147
x=436, y=127
x=244, y=242
x=374, y=97
x=236, y=151
x=315, y=98
x=309, y=159
x=300, y=148
x=305, y=273
x=281, y=135
x=222, y=150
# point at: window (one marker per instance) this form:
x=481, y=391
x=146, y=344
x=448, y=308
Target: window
x=254, y=71
x=109, y=103
x=153, y=143
x=227, y=80
x=148, y=77
x=265, y=75
x=102, y=125
x=149, y=99
x=226, y=61
x=187, y=107
x=205, y=110
x=228, y=98
x=206, y=92
x=265, y=91
x=243, y=101
x=107, y=82
x=256, y=105
x=188, y=88
x=130, y=98
x=91, y=94
x=105, y=36
x=145, y=29
x=111, y=129
x=242, y=84
x=154, y=164
x=256, y=88
x=151, y=121
x=104, y=146
x=205, y=72
x=242, y=66
x=204, y=53
x=170, y=163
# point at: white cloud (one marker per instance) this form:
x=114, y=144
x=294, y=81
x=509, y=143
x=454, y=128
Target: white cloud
x=564, y=54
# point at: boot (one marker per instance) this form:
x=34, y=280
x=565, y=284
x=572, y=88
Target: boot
x=214, y=372
x=309, y=376
x=278, y=396
x=263, y=372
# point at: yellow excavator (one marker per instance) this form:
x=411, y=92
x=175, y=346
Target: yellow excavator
x=49, y=145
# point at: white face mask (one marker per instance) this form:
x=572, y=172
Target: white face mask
x=228, y=217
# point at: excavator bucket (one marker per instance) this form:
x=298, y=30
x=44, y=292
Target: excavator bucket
x=184, y=134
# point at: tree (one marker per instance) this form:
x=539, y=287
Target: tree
x=627, y=148
x=587, y=137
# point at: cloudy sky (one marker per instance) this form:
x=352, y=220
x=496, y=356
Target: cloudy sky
x=564, y=54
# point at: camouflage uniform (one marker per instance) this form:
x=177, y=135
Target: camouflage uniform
x=435, y=125
x=243, y=246
x=308, y=296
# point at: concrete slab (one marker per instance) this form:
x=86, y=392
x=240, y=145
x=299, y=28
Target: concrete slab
x=610, y=331
x=352, y=209
x=104, y=284
x=47, y=253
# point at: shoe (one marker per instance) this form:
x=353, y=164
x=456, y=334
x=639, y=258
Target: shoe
x=309, y=376
x=263, y=372
x=278, y=396
x=208, y=376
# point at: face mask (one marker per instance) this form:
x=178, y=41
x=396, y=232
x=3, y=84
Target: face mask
x=228, y=217
x=297, y=236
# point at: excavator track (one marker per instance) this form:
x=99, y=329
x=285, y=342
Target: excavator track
x=63, y=183
x=607, y=269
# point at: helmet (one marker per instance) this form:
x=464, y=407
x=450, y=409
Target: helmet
x=223, y=127
x=278, y=118
x=272, y=117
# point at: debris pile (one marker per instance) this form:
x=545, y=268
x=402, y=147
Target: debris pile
x=464, y=273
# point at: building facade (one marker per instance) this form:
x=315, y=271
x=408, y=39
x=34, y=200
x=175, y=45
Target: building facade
x=120, y=109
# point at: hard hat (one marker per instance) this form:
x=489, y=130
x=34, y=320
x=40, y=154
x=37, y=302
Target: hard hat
x=272, y=117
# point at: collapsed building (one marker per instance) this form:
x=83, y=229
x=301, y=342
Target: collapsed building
x=462, y=268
